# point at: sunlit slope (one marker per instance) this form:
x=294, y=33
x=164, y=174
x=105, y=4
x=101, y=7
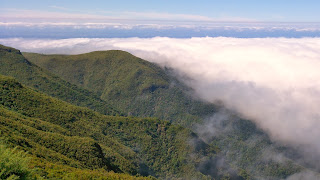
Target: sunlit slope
x=13, y=63
x=140, y=88
x=54, y=131
x=133, y=85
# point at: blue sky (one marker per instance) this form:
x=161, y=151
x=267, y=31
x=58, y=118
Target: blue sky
x=202, y=10
x=165, y=18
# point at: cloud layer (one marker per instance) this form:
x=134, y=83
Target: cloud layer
x=274, y=82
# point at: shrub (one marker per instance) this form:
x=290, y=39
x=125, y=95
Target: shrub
x=13, y=164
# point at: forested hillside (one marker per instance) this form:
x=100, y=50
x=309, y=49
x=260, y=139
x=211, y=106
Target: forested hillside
x=144, y=89
x=13, y=63
x=133, y=85
x=59, y=134
x=138, y=123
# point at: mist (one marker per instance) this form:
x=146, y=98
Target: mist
x=275, y=82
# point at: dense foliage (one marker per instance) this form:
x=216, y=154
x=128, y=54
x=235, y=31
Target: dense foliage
x=144, y=89
x=71, y=142
x=247, y=147
x=16, y=164
x=134, y=86
x=13, y=164
x=57, y=132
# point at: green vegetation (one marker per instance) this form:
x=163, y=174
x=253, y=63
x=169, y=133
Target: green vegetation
x=133, y=85
x=143, y=89
x=13, y=164
x=16, y=164
x=65, y=141
x=247, y=147
x=13, y=63
x=57, y=132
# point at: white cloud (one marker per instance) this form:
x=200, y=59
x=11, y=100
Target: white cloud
x=273, y=81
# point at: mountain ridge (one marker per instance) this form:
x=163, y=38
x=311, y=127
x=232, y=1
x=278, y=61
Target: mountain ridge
x=14, y=64
x=135, y=82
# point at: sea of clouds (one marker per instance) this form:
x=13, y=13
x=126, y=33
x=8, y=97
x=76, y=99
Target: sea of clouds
x=274, y=82
x=60, y=29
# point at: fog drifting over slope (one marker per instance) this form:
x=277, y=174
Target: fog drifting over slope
x=273, y=81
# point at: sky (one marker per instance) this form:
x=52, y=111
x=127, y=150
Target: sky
x=206, y=10
x=146, y=19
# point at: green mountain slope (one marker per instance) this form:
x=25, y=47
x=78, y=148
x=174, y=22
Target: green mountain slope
x=13, y=63
x=131, y=84
x=56, y=132
x=17, y=164
x=143, y=89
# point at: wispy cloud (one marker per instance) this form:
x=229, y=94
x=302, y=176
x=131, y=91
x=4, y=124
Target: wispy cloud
x=163, y=16
x=32, y=15
x=11, y=15
x=60, y=8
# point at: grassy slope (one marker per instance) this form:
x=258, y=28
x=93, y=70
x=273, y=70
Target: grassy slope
x=131, y=84
x=17, y=164
x=13, y=63
x=57, y=132
x=143, y=89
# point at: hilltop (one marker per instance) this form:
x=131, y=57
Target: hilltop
x=131, y=84
x=13, y=63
